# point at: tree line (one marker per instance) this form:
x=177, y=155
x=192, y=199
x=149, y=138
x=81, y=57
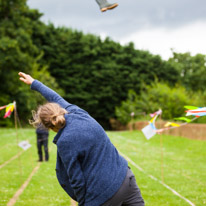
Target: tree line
x=92, y=73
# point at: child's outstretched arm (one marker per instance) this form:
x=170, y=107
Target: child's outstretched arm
x=46, y=92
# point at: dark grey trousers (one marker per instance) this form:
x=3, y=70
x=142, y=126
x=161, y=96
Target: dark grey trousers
x=128, y=194
x=42, y=140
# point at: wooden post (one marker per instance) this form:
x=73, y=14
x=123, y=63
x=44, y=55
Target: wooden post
x=162, y=157
x=162, y=154
x=17, y=139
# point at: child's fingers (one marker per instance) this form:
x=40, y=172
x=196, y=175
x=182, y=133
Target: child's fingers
x=22, y=74
x=25, y=78
x=22, y=79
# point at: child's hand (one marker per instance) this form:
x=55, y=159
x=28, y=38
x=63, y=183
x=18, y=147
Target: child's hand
x=27, y=79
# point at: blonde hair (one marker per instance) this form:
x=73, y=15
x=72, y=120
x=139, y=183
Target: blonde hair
x=50, y=115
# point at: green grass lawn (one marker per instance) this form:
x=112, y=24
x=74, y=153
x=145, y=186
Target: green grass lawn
x=180, y=163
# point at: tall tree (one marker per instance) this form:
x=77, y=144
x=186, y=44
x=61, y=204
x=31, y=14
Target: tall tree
x=191, y=70
x=18, y=53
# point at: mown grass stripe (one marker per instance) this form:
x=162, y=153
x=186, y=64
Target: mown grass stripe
x=157, y=180
x=10, y=160
x=13, y=200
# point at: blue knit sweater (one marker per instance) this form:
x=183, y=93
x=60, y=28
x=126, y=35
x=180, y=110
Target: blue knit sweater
x=88, y=167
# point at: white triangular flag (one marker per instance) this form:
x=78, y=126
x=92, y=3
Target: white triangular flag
x=148, y=131
x=24, y=145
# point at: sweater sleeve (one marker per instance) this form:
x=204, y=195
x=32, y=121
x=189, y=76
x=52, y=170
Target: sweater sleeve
x=52, y=96
x=70, y=158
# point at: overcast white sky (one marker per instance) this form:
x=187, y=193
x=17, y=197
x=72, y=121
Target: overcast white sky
x=154, y=25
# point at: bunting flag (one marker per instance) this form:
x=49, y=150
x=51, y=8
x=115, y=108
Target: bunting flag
x=191, y=107
x=3, y=107
x=24, y=145
x=156, y=113
x=183, y=119
x=9, y=109
x=191, y=110
x=150, y=130
x=168, y=124
x=199, y=112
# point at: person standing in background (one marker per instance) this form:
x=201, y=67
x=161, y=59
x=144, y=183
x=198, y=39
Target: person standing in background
x=42, y=141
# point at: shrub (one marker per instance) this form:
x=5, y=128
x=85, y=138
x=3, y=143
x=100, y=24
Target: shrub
x=158, y=95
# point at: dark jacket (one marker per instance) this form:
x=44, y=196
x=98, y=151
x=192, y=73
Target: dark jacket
x=42, y=131
x=88, y=167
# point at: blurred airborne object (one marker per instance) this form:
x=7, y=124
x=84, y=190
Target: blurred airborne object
x=104, y=5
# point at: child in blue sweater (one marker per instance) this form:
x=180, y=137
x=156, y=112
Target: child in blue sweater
x=88, y=167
